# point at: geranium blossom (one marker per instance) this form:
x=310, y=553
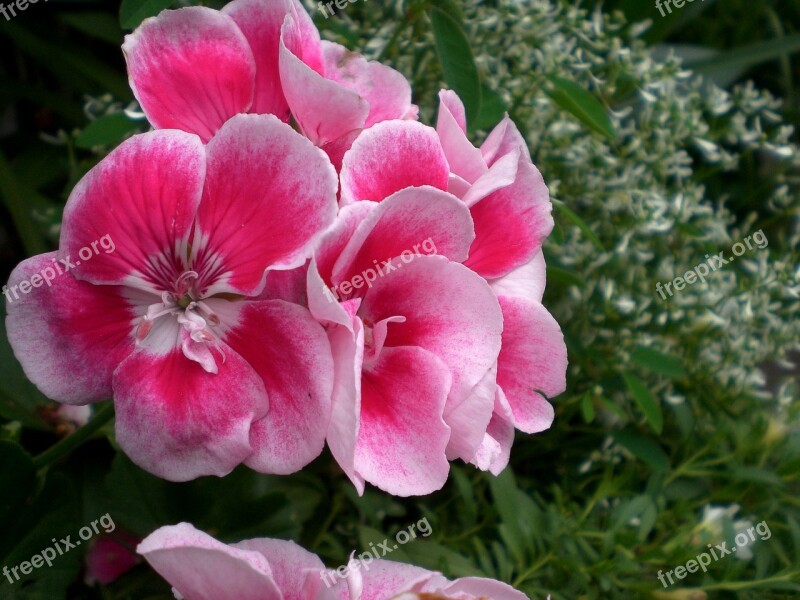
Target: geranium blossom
x=509, y=205
x=201, y=568
x=194, y=68
x=206, y=371
x=415, y=350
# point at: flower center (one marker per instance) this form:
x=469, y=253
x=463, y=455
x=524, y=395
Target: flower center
x=199, y=322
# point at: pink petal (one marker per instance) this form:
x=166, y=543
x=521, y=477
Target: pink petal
x=290, y=352
x=338, y=236
x=290, y=564
x=68, y=335
x=479, y=587
x=190, y=69
x=260, y=21
x=503, y=140
x=387, y=579
x=532, y=362
x=269, y=195
x=110, y=556
x=201, y=568
x=452, y=313
x=344, y=110
x=414, y=221
x=134, y=212
x=402, y=439
x=465, y=159
x=179, y=422
x=386, y=90
x=495, y=449
x=392, y=156
x=527, y=281
x=511, y=224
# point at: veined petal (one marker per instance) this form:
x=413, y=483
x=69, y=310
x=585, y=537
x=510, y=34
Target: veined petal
x=479, y=587
x=344, y=110
x=414, y=221
x=533, y=359
x=386, y=91
x=269, y=195
x=289, y=350
x=179, y=422
x=511, y=223
x=402, y=438
x=190, y=69
x=392, y=156
x=68, y=335
x=387, y=579
x=134, y=212
x=201, y=568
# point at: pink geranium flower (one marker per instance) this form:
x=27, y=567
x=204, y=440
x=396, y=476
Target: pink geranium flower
x=201, y=568
x=194, y=68
x=206, y=371
x=415, y=339
x=509, y=205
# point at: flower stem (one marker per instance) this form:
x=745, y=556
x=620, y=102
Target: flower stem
x=73, y=441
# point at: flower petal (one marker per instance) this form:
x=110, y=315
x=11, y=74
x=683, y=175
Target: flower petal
x=387, y=579
x=465, y=160
x=260, y=21
x=402, y=438
x=70, y=357
x=134, y=212
x=303, y=85
x=511, y=223
x=392, y=156
x=495, y=449
x=269, y=195
x=190, y=69
x=451, y=312
x=533, y=359
x=414, y=221
x=479, y=587
x=290, y=352
x=179, y=422
x=527, y=281
x=201, y=568
x=290, y=564
x=386, y=90
x=503, y=139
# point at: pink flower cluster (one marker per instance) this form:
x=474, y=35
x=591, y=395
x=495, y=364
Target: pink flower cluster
x=201, y=568
x=211, y=324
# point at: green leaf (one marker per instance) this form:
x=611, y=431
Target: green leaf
x=18, y=477
x=133, y=12
x=580, y=223
x=659, y=362
x=582, y=104
x=493, y=108
x=748, y=56
x=643, y=448
x=99, y=25
x=648, y=404
x=587, y=408
x=458, y=63
x=106, y=130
